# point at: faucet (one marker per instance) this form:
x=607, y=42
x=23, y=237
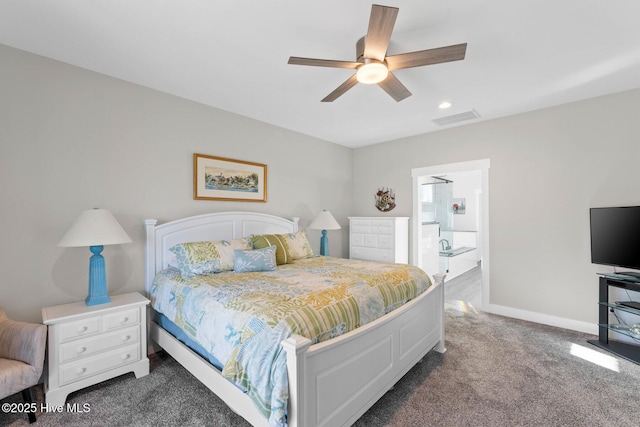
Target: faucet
x=445, y=247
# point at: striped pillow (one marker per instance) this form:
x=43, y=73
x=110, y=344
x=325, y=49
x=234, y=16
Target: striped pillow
x=282, y=251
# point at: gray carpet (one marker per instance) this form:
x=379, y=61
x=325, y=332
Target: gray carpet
x=496, y=372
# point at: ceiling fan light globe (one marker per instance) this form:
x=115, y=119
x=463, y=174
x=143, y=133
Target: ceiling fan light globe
x=372, y=72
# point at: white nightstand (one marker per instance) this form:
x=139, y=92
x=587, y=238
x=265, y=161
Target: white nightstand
x=91, y=344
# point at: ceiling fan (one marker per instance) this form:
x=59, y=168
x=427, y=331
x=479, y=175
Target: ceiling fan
x=373, y=66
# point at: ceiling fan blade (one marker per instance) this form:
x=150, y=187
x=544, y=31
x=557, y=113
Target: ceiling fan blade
x=427, y=57
x=351, y=82
x=294, y=60
x=393, y=87
x=381, y=23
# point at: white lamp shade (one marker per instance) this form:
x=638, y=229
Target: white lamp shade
x=324, y=221
x=95, y=227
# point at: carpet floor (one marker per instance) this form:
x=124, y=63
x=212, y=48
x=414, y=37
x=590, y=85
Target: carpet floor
x=496, y=371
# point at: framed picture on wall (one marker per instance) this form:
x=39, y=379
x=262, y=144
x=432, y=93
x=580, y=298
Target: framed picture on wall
x=459, y=206
x=219, y=178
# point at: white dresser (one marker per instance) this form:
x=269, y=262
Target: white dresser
x=90, y=344
x=383, y=239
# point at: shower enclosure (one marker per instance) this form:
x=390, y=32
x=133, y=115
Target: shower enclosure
x=437, y=199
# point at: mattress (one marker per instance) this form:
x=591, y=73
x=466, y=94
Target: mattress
x=239, y=320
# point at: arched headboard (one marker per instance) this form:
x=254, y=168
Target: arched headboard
x=213, y=226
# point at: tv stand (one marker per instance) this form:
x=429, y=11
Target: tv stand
x=626, y=350
x=630, y=276
x=634, y=274
x=632, y=304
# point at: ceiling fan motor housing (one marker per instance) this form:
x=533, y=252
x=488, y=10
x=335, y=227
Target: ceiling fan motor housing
x=372, y=71
x=360, y=49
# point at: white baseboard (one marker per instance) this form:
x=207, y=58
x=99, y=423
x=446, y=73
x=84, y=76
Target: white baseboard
x=545, y=319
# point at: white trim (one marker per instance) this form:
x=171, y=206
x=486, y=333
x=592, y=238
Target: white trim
x=545, y=319
x=451, y=168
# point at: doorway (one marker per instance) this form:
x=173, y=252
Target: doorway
x=431, y=208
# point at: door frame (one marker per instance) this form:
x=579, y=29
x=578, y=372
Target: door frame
x=419, y=177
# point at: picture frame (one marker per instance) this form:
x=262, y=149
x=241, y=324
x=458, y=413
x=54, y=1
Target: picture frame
x=459, y=206
x=221, y=178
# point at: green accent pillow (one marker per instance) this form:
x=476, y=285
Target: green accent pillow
x=282, y=252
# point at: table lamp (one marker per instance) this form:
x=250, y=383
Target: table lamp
x=95, y=228
x=324, y=221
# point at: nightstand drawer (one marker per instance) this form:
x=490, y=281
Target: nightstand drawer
x=122, y=318
x=92, y=366
x=85, y=348
x=79, y=329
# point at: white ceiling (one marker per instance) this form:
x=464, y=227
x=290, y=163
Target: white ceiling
x=521, y=55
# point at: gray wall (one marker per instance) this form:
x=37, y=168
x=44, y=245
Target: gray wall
x=71, y=140
x=548, y=168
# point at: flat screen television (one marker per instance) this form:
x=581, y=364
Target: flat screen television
x=615, y=237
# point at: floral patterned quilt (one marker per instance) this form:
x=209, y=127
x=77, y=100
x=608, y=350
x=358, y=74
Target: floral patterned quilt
x=241, y=319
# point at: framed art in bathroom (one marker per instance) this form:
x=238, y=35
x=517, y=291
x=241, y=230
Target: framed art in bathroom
x=459, y=206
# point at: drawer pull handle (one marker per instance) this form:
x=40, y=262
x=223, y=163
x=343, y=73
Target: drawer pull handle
x=82, y=349
x=126, y=356
x=82, y=329
x=81, y=371
x=126, y=337
x=124, y=319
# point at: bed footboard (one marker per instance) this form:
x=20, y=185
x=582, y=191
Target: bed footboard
x=335, y=382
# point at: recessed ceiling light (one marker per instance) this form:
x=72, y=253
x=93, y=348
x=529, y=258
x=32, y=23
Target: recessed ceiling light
x=444, y=105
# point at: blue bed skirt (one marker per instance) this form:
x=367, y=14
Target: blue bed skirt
x=179, y=334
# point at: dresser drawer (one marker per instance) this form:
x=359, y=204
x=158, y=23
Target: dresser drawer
x=357, y=239
x=370, y=241
x=79, y=329
x=85, y=348
x=363, y=227
x=382, y=227
x=372, y=254
x=121, y=318
x=77, y=371
x=385, y=242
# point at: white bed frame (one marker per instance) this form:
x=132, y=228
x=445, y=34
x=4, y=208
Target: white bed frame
x=331, y=383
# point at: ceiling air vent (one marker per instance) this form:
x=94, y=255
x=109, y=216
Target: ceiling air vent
x=455, y=118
